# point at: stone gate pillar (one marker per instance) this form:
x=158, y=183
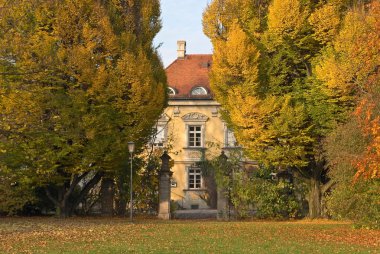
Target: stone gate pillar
x=164, y=188
x=222, y=200
x=222, y=205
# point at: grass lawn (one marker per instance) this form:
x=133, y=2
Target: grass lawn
x=116, y=235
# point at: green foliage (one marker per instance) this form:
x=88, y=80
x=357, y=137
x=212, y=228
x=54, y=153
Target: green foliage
x=15, y=191
x=147, y=182
x=279, y=198
x=359, y=202
x=79, y=79
x=253, y=192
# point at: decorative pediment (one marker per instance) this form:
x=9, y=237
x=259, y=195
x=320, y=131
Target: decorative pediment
x=164, y=118
x=195, y=117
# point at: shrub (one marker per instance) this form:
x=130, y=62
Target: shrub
x=359, y=202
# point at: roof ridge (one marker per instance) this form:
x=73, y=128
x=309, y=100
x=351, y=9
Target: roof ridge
x=171, y=64
x=199, y=54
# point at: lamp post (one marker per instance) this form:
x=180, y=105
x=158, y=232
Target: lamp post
x=131, y=149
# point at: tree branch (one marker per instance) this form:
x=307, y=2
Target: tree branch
x=20, y=73
x=327, y=186
x=73, y=184
x=299, y=174
x=87, y=188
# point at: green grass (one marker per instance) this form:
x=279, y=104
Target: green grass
x=116, y=235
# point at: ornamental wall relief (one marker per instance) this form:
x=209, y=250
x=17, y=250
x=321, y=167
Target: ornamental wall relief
x=195, y=117
x=193, y=154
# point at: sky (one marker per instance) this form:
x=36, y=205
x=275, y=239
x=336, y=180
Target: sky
x=182, y=20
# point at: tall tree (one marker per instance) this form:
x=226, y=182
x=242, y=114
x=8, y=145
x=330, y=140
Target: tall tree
x=350, y=73
x=79, y=79
x=269, y=92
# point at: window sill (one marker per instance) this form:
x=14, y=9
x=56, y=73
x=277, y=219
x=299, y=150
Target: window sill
x=194, y=148
x=194, y=189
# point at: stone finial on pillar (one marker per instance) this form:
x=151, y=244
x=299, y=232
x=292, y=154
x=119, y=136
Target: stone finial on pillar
x=164, y=188
x=223, y=157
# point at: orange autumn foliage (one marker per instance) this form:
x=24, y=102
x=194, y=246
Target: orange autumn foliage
x=368, y=108
x=350, y=71
x=368, y=164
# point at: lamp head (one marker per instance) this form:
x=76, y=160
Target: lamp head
x=131, y=147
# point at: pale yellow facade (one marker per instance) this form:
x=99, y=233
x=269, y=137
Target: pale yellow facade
x=179, y=116
x=190, y=126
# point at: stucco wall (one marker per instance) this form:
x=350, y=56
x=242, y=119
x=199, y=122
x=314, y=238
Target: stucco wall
x=183, y=156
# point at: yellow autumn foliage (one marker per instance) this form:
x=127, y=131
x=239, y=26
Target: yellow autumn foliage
x=325, y=22
x=236, y=59
x=286, y=17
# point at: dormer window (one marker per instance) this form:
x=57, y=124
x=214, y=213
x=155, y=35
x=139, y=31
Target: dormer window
x=199, y=91
x=171, y=91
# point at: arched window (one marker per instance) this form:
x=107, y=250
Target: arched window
x=199, y=91
x=171, y=91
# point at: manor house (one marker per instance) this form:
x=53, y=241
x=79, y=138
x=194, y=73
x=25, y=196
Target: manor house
x=190, y=125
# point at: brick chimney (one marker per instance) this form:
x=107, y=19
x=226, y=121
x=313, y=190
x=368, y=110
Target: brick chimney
x=181, y=51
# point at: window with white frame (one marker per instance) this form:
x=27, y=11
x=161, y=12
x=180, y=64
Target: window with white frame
x=195, y=124
x=195, y=178
x=195, y=136
x=171, y=91
x=199, y=91
x=159, y=137
x=230, y=139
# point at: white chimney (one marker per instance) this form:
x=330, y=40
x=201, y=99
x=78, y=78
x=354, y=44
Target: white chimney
x=181, y=51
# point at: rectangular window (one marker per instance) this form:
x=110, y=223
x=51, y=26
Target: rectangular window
x=195, y=136
x=230, y=139
x=159, y=135
x=194, y=178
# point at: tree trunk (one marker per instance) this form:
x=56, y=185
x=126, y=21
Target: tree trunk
x=65, y=207
x=121, y=202
x=107, y=192
x=86, y=189
x=315, y=198
x=61, y=207
x=64, y=210
x=122, y=206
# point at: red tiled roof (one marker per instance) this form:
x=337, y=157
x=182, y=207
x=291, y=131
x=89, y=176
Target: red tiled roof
x=190, y=72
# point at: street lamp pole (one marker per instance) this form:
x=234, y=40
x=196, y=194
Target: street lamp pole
x=131, y=149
